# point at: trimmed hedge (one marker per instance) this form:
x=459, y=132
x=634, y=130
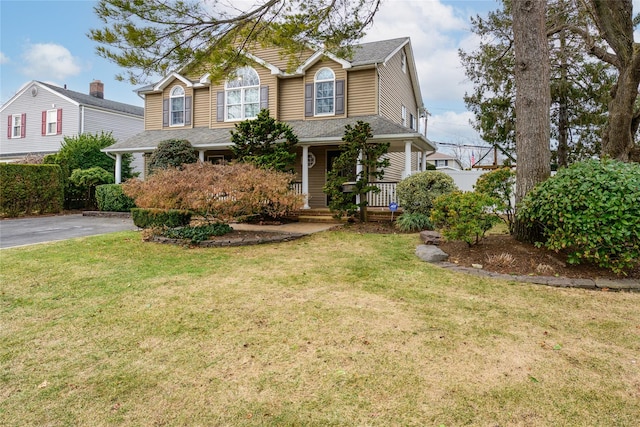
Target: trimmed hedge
x=148, y=218
x=30, y=189
x=111, y=198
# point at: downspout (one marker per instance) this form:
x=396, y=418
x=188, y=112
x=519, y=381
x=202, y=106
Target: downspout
x=81, y=119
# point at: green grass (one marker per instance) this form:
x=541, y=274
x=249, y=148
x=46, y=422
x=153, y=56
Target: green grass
x=334, y=329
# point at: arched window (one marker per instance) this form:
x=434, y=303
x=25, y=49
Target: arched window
x=177, y=106
x=243, y=95
x=324, y=82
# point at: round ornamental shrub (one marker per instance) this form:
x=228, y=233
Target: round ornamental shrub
x=172, y=153
x=591, y=209
x=111, y=198
x=417, y=192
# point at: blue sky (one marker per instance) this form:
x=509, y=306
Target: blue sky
x=47, y=41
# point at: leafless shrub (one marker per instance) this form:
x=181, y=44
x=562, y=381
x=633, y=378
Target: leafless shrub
x=502, y=260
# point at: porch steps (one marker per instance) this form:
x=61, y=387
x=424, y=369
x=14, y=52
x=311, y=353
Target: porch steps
x=325, y=216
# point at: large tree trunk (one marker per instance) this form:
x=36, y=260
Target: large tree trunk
x=615, y=24
x=533, y=99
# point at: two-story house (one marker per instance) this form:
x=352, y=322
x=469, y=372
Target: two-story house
x=40, y=115
x=378, y=85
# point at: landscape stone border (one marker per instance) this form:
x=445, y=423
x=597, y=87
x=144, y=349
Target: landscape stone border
x=559, y=282
x=245, y=239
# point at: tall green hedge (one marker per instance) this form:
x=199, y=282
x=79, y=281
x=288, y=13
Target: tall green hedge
x=30, y=189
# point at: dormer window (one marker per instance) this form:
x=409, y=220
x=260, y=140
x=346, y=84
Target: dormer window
x=324, y=83
x=403, y=61
x=242, y=95
x=177, y=106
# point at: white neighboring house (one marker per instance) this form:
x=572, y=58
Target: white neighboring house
x=40, y=115
x=444, y=161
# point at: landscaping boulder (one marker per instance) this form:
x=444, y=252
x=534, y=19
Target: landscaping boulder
x=431, y=237
x=431, y=253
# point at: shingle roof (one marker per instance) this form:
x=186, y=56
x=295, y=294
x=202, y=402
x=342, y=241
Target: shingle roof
x=306, y=130
x=105, y=104
x=375, y=52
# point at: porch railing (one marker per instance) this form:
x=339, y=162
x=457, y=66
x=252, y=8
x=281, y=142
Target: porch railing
x=386, y=195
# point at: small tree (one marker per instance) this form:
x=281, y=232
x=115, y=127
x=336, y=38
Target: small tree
x=499, y=184
x=83, y=152
x=265, y=142
x=217, y=192
x=356, y=150
x=172, y=153
x=88, y=179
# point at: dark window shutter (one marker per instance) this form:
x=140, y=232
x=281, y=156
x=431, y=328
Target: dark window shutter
x=187, y=110
x=9, y=126
x=220, y=106
x=339, y=96
x=411, y=120
x=44, y=122
x=59, y=123
x=264, y=97
x=308, y=100
x=23, y=129
x=165, y=112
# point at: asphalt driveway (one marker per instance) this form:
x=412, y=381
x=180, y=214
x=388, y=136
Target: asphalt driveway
x=28, y=231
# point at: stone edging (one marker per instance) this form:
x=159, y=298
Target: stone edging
x=238, y=241
x=559, y=282
x=107, y=214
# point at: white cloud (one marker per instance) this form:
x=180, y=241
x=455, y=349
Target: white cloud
x=48, y=60
x=452, y=127
x=4, y=59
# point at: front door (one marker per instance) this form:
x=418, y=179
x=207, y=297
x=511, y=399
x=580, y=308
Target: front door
x=332, y=155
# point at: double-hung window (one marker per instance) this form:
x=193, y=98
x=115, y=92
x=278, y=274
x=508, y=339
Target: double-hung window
x=52, y=122
x=325, y=82
x=177, y=106
x=242, y=95
x=17, y=126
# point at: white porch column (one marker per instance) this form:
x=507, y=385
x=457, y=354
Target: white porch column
x=424, y=161
x=359, y=169
x=201, y=155
x=118, y=168
x=305, y=175
x=407, y=158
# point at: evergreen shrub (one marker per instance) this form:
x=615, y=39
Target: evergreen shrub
x=417, y=192
x=591, y=209
x=111, y=198
x=464, y=216
x=151, y=217
x=30, y=189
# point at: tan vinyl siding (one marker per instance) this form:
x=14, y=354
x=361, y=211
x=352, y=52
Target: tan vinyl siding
x=291, y=102
x=362, y=93
x=201, y=108
x=153, y=111
x=396, y=90
x=340, y=74
x=273, y=57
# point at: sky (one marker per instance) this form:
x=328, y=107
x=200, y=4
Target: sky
x=47, y=41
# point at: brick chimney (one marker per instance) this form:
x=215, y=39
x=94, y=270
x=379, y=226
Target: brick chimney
x=96, y=88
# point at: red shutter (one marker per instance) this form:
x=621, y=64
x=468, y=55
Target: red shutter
x=44, y=123
x=23, y=129
x=59, y=128
x=9, y=126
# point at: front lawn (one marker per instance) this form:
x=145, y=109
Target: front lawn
x=337, y=328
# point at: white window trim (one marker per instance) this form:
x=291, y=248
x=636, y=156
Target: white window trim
x=403, y=115
x=403, y=62
x=315, y=100
x=15, y=117
x=243, y=102
x=173, y=96
x=53, y=112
